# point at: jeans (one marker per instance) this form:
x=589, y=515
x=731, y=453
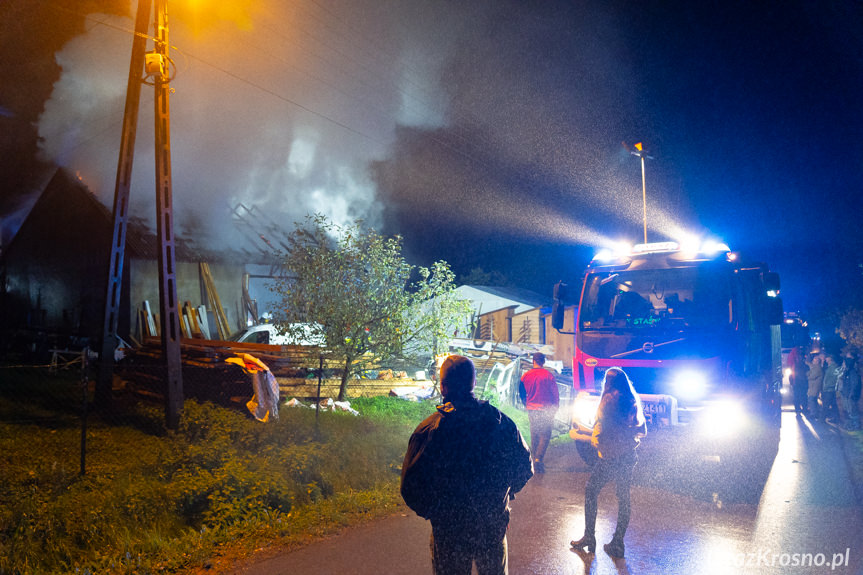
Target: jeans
x=799, y=390
x=852, y=413
x=828, y=405
x=620, y=470
x=814, y=411
x=541, y=422
x=454, y=552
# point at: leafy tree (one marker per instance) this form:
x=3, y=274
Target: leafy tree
x=851, y=328
x=350, y=288
x=438, y=314
x=479, y=277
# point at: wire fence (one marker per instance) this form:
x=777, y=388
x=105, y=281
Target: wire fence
x=56, y=388
x=54, y=394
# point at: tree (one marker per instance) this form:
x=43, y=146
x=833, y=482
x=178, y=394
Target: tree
x=479, y=277
x=851, y=328
x=438, y=314
x=350, y=287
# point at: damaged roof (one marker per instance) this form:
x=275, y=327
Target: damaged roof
x=65, y=190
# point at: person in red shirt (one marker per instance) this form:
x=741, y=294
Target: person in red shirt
x=540, y=396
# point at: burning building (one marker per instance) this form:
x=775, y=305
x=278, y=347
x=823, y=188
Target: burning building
x=53, y=273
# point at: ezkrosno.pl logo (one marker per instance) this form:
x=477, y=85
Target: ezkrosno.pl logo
x=769, y=558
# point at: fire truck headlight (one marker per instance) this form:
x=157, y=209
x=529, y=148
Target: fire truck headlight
x=724, y=418
x=584, y=410
x=690, y=385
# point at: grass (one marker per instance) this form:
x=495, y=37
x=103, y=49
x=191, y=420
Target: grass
x=154, y=500
x=853, y=444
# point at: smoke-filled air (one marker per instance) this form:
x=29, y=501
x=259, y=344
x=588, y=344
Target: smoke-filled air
x=379, y=111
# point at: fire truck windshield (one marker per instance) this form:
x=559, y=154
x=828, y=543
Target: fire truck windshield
x=672, y=299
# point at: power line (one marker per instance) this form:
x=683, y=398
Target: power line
x=240, y=78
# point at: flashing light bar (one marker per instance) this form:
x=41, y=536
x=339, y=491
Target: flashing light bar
x=655, y=247
x=709, y=247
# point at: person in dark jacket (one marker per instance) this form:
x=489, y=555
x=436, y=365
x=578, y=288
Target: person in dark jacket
x=849, y=391
x=799, y=380
x=619, y=427
x=830, y=383
x=463, y=465
x=815, y=375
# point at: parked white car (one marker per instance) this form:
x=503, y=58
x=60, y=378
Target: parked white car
x=269, y=334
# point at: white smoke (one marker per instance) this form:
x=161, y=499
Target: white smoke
x=284, y=114
x=287, y=112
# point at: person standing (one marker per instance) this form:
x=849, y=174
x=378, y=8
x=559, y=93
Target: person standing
x=849, y=391
x=815, y=375
x=619, y=427
x=832, y=373
x=541, y=398
x=463, y=465
x=799, y=381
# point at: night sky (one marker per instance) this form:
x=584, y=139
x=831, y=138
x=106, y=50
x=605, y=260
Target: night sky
x=491, y=134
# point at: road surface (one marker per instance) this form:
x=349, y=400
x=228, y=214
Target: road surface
x=798, y=516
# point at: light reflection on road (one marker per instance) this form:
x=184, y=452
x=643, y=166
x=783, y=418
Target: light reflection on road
x=806, y=508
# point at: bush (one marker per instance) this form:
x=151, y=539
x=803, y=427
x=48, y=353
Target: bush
x=156, y=500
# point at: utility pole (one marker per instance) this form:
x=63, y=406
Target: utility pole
x=157, y=66
x=640, y=153
x=121, y=207
x=170, y=318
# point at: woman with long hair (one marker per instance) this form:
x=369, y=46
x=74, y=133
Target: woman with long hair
x=620, y=425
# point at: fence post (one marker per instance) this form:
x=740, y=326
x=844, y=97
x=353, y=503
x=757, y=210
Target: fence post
x=318, y=398
x=85, y=384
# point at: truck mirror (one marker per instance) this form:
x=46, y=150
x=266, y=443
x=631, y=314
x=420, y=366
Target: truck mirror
x=559, y=305
x=771, y=282
x=557, y=309
x=774, y=309
x=561, y=292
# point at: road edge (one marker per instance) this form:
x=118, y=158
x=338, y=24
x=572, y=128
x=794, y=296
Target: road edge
x=852, y=449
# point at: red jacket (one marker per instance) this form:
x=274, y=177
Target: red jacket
x=540, y=389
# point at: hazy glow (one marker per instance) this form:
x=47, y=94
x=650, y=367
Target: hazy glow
x=301, y=158
x=584, y=409
x=689, y=243
x=723, y=418
x=298, y=108
x=204, y=16
x=690, y=384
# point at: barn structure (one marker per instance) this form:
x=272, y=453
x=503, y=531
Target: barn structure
x=53, y=273
x=518, y=316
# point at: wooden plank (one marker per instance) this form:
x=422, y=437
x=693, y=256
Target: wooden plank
x=308, y=388
x=204, y=322
x=141, y=327
x=184, y=324
x=151, y=324
x=215, y=302
x=192, y=316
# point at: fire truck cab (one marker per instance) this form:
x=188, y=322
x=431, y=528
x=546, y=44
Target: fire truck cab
x=696, y=330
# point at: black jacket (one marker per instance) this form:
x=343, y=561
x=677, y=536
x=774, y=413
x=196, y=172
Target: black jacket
x=463, y=464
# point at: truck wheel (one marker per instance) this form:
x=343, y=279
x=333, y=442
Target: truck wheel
x=587, y=453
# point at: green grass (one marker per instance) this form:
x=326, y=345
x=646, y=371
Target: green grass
x=160, y=501
x=154, y=500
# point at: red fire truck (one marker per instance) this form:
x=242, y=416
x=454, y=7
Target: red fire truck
x=698, y=333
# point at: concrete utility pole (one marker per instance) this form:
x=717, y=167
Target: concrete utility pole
x=170, y=317
x=157, y=67
x=121, y=207
x=642, y=154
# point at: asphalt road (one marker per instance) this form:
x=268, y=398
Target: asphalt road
x=798, y=516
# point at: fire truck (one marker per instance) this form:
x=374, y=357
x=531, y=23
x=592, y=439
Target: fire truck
x=698, y=333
